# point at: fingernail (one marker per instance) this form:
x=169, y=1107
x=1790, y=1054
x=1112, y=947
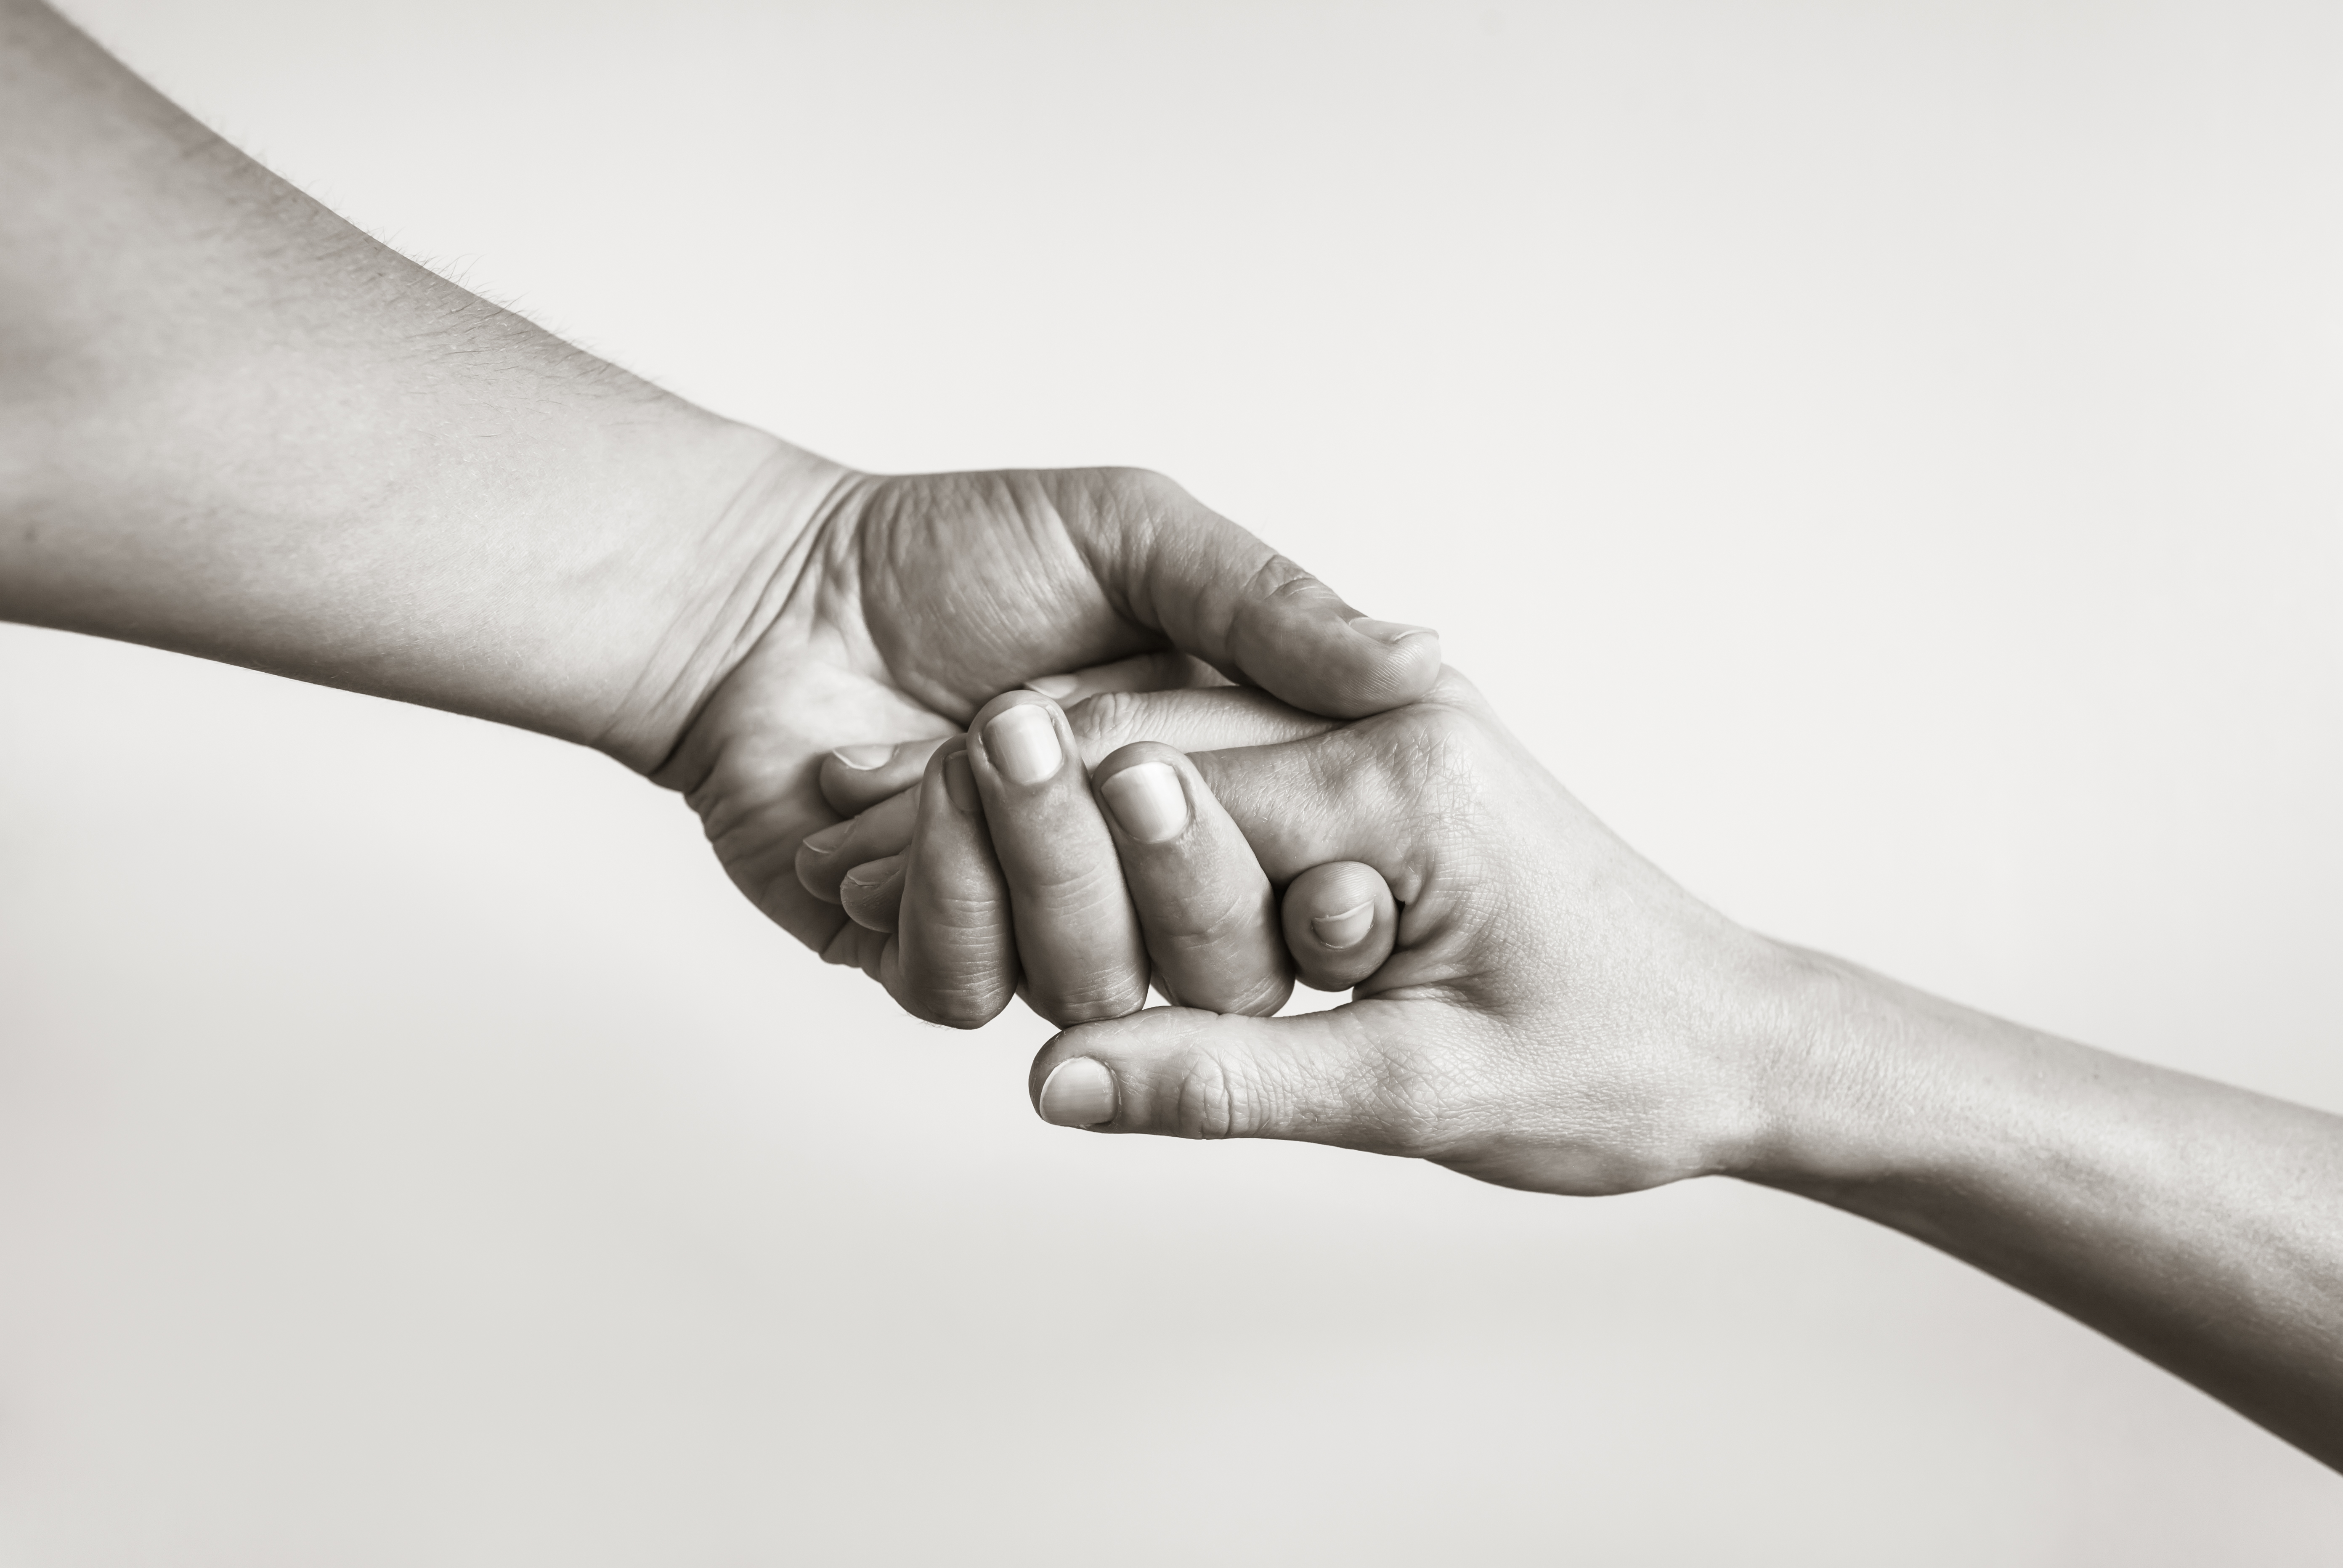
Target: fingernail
x=1024, y=743
x=826, y=842
x=1079, y=1092
x=870, y=873
x=1056, y=687
x=960, y=783
x=863, y=758
x=1393, y=631
x=1346, y=929
x=1148, y=801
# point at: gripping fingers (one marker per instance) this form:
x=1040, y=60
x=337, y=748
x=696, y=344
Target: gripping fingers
x=1078, y=938
x=825, y=858
x=876, y=780
x=873, y=893
x=953, y=958
x=856, y=778
x=1340, y=924
x=1204, y=905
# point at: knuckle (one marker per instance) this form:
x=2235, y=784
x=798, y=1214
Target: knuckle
x=1212, y=1101
x=1106, y=722
x=1137, y=500
x=1279, y=578
x=1145, y=488
x=1070, y=900
x=1264, y=997
x=1434, y=754
x=1237, y=921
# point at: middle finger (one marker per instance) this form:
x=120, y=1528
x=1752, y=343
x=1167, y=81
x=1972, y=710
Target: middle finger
x=1078, y=938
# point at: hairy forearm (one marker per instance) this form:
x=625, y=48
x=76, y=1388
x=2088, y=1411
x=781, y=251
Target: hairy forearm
x=232, y=424
x=2199, y=1224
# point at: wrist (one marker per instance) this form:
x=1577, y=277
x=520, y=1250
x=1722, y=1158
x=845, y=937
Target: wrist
x=1873, y=1086
x=724, y=548
x=1838, y=1091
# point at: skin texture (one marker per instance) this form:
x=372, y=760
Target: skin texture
x=1559, y=1016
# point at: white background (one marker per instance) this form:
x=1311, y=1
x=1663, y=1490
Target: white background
x=1885, y=458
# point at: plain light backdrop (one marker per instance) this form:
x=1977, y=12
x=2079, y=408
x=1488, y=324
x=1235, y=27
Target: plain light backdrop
x=1885, y=458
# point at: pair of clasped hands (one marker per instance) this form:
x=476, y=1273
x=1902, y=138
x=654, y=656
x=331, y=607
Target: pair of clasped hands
x=1014, y=860
x=1289, y=788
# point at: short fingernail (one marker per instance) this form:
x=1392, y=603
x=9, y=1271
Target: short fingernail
x=826, y=842
x=1079, y=1092
x=1056, y=687
x=1023, y=744
x=1346, y=929
x=960, y=783
x=1148, y=801
x=863, y=758
x=1391, y=631
x=870, y=873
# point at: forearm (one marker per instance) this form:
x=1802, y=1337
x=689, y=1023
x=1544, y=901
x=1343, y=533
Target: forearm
x=2199, y=1224
x=232, y=424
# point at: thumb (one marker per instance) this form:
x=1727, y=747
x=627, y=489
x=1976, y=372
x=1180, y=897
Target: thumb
x=1317, y=1077
x=1221, y=594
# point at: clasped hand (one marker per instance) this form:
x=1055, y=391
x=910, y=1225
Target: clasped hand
x=1535, y=1005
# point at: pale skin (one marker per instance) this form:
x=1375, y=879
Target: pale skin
x=232, y=426
x=1552, y=1013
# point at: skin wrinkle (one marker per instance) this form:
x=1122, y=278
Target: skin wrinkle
x=728, y=815
x=1276, y=582
x=1238, y=913
x=1041, y=575
x=750, y=607
x=1209, y=1103
x=1352, y=798
x=1092, y=884
x=1137, y=510
x=1221, y=621
x=1115, y=567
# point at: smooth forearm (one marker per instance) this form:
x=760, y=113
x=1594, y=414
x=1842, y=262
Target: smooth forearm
x=2199, y=1224
x=232, y=424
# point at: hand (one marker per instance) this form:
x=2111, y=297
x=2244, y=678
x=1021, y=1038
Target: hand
x=1014, y=867
x=1556, y=1014
x=906, y=602
x=1559, y=1016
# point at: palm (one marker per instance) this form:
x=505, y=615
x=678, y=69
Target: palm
x=919, y=598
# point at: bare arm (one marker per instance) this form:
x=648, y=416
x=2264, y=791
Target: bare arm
x=2199, y=1224
x=232, y=424
x=1558, y=1016
x=236, y=427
